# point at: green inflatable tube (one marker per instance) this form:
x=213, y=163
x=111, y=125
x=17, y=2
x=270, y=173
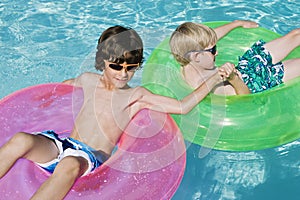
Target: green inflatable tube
x=233, y=123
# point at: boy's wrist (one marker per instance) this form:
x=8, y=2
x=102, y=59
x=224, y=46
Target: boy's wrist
x=237, y=23
x=233, y=77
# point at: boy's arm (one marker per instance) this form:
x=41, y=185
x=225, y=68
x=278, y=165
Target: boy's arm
x=238, y=85
x=230, y=74
x=221, y=31
x=171, y=105
x=190, y=101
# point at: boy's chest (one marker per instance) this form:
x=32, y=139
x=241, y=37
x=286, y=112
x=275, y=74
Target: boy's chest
x=113, y=107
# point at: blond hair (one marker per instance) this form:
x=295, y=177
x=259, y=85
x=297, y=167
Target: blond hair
x=188, y=37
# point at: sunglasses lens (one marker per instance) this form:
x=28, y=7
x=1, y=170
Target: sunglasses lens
x=116, y=67
x=132, y=68
x=214, y=50
x=127, y=67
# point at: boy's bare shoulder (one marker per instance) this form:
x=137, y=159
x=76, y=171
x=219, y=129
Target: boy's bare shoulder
x=136, y=92
x=140, y=90
x=88, y=77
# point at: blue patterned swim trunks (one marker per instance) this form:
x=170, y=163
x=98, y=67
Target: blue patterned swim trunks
x=71, y=147
x=257, y=70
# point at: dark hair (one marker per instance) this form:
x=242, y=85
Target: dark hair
x=119, y=44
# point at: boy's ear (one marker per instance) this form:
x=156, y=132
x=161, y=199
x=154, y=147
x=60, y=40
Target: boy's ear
x=195, y=56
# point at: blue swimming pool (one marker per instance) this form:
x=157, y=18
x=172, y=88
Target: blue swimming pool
x=46, y=41
x=50, y=41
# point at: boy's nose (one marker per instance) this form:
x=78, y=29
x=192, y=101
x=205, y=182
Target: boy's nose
x=124, y=72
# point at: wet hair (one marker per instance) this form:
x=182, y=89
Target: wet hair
x=190, y=36
x=119, y=44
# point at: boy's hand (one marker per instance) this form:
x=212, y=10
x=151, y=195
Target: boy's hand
x=228, y=71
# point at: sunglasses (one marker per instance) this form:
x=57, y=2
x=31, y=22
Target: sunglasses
x=212, y=50
x=127, y=67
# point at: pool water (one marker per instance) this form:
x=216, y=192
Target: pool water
x=49, y=41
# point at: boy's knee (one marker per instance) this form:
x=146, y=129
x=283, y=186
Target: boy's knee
x=72, y=166
x=21, y=139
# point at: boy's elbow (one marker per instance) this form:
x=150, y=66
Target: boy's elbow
x=182, y=108
x=185, y=110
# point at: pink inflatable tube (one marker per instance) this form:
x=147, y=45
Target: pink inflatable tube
x=148, y=164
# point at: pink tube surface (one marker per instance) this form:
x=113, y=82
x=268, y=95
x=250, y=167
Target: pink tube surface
x=148, y=164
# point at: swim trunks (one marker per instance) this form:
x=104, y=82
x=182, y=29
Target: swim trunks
x=257, y=70
x=71, y=147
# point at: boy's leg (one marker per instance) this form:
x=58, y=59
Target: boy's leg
x=23, y=145
x=291, y=69
x=66, y=172
x=281, y=47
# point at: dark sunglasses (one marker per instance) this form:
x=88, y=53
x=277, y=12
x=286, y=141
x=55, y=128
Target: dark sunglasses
x=212, y=50
x=128, y=67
